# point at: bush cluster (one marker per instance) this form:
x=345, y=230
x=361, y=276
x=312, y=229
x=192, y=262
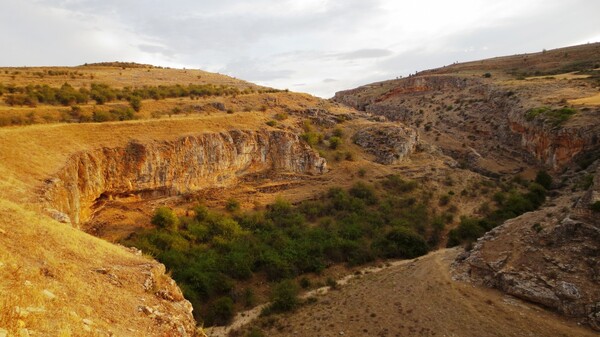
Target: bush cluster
x=209, y=252
x=66, y=95
x=511, y=203
x=553, y=116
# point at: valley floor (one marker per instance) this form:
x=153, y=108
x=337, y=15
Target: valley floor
x=420, y=298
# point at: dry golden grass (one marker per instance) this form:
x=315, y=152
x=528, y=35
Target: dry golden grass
x=118, y=77
x=49, y=284
x=566, y=76
x=592, y=100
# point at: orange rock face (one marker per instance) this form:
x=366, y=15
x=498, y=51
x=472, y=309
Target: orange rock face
x=185, y=165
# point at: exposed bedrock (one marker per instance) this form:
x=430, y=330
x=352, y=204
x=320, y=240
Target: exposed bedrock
x=171, y=167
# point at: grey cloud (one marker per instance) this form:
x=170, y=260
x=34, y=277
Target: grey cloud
x=364, y=53
x=329, y=80
x=156, y=49
x=255, y=70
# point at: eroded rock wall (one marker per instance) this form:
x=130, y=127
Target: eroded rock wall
x=550, y=257
x=184, y=165
x=486, y=116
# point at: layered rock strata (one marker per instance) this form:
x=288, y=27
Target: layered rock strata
x=172, y=167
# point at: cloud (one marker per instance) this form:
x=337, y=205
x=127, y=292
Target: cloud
x=364, y=54
x=281, y=43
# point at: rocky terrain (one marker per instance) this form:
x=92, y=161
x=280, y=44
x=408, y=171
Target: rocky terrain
x=462, y=134
x=170, y=168
x=549, y=257
x=479, y=114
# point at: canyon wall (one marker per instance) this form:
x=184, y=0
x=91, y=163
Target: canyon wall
x=548, y=256
x=477, y=114
x=172, y=167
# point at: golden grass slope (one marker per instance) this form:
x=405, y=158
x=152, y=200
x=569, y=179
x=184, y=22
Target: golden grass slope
x=115, y=76
x=56, y=281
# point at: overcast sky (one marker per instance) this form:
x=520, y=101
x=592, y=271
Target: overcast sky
x=315, y=46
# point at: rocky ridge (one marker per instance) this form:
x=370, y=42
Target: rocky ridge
x=549, y=257
x=463, y=115
x=172, y=167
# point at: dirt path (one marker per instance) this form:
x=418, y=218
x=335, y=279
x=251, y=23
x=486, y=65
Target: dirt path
x=244, y=318
x=419, y=298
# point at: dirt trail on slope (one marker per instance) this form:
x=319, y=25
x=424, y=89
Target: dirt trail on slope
x=420, y=299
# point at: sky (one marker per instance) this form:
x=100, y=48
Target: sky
x=314, y=46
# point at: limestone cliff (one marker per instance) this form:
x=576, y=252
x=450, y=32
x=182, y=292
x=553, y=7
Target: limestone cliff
x=549, y=257
x=552, y=146
x=389, y=143
x=170, y=167
x=463, y=114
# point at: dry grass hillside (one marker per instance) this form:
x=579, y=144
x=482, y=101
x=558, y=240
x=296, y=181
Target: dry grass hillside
x=82, y=172
x=418, y=298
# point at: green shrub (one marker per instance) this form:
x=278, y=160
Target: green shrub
x=468, y=230
x=232, y=205
x=271, y=123
x=220, y=312
x=401, y=242
x=365, y=192
x=312, y=138
x=334, y=142
x=595, y=206
x=164, y=217
x=394, y=183
x=136, y=103
x=544, y=179
x=284, y=297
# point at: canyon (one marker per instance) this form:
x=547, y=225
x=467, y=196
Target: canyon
x=462, y=134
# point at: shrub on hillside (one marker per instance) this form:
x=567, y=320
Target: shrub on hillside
x=164, y=217
x=544, y=179
x=401, y=242
x=284, y=297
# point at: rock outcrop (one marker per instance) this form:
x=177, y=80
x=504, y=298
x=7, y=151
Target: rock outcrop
x=460, y=113
x=388, y=143
x=187, y=164
x=552, y=146
x=550, y=257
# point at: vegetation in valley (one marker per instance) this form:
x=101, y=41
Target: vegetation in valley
x=516, y=198
x=211, y=254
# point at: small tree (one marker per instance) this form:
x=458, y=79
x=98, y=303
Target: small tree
x=164, y=217
x=544, y=179
x=284, y=297
x=136, y=103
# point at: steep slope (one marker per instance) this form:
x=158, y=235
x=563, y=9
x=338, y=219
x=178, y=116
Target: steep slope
x=549, y=257
x=511, y=115
x=489, y=116
x=56, y=280
x=182, y=166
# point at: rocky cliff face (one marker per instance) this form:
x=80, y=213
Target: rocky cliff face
x=388, y=143
x=462, y=114
x=550, y=257
x=554, y=147
x=188, y=164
